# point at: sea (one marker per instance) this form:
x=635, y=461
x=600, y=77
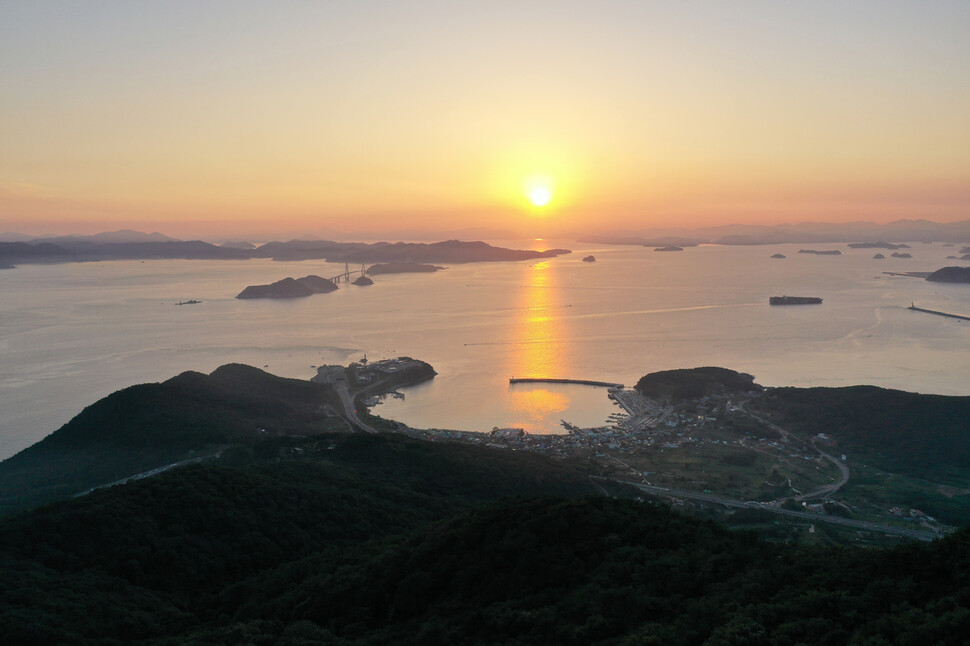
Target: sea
x=73, y=333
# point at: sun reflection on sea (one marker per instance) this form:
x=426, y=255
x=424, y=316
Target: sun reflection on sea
x=540, y=350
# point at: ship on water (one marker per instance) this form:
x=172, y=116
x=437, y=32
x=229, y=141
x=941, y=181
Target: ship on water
x=794, y=300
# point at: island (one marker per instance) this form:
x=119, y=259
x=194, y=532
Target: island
x=290, y=288
x=897, y=254
x=362, y=281
x=640, y=241
x=145, y=247
x=669, y=248
x=950, y=275
x=402, y=268
x=779, y=255
x=825, y=252
x=589, y=258
x=448, y=251
x=877, y=245
x=878, y=256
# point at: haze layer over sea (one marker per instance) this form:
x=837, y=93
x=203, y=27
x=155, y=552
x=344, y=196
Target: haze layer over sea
x=71, y=334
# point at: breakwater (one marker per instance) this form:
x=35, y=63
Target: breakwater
x=947, y=314
x=584, y=382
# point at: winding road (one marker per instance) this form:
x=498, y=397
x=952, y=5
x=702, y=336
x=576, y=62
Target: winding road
x=820, y=492
x=923, y=535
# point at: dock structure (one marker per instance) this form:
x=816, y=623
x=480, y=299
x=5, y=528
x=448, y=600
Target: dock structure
x=583, y=382
x=946, y=314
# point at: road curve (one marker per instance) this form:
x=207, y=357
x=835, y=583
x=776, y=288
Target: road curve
x=922, y=535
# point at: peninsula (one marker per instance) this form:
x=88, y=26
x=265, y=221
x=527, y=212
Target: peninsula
x=950, y=275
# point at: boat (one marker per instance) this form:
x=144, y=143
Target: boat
x=794, y=300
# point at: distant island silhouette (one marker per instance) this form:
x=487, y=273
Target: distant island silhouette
x=290, y=288
x=84, y=249
x=950, y=275
x=402, y=268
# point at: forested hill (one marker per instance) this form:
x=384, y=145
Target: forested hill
x=150, y=425
x=342, y=547
x=691, y=383
x=926, y=436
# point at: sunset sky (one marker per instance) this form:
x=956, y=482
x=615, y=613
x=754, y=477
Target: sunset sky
x=193, y=118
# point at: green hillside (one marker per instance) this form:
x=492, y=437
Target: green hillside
x=150, y=425
x=926, y=436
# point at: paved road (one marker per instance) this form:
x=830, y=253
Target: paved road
x=350, y=409
x=337, y=379
x=152, y=472
x=922, y=535
x=820, y=492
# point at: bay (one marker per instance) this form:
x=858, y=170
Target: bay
x=73, y=333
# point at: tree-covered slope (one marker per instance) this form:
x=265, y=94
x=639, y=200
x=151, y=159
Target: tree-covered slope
x=691, y=383
x=926, y=436
x=157, y=553
x=388, y=540
x=150, y=425
x=601, y=571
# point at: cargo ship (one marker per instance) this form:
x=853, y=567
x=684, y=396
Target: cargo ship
x=794, y=300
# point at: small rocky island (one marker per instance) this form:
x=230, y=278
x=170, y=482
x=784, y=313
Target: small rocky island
x=669, y=248
x=402, y=268
x=897, y=254
x=878, y=256
x=779, y=255
x=877, y=245
x=950, y=275
x=362, y=281
x=290, y=288
x=825, y=252
x=589, y=259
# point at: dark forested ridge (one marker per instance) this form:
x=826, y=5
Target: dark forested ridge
x=346, y=550
x=691, y=383
x=150, y=425
x=921, y=435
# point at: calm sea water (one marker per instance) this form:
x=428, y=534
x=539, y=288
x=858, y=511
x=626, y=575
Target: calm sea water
x=73, y=333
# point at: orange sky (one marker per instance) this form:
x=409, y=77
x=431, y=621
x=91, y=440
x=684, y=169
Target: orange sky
x=245, y=117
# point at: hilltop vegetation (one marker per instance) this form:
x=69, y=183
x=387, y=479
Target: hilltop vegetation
x=383, y=540
x=926, y=436
x=150, y=425
x=692, y=383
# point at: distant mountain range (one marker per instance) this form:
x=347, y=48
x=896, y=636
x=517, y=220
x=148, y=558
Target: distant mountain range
x=742, y=234
x=79, y=249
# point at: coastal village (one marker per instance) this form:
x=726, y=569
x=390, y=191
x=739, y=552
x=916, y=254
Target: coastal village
x=692, y=452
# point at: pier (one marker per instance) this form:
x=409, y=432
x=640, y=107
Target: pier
x=946, y=314
x=582, y=382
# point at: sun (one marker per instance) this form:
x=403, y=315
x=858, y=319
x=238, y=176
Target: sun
x=540, y=195
x=539, y=191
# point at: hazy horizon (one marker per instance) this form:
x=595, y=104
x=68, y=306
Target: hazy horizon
x=547, y=118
